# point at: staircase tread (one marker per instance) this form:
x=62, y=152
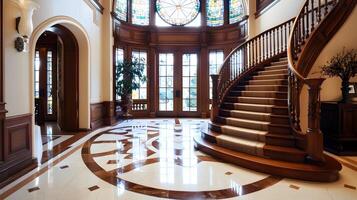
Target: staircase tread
x=269, y=80
x=331, y=166
x=253, y=131
x=255, y=121
x=256, y=113
x=258, y=91
x=269, y=75
x=261, y=98
x=258, y=144
x=259, y=105
x=262, y=85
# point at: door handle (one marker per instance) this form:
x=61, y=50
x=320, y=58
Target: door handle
x=177, y=93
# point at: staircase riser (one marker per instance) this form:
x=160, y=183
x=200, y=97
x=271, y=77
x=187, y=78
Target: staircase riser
x=286, y=156
x=277, y=111
x=271, y=119
x=268, y=82
x=268, y=139
x=279, y=63
x=259, y=94
x=241, y=148
x=258, y=101
x=259, y=77
x=262, y=88
x=276, y=67
x=255, y=126
x=273, y=72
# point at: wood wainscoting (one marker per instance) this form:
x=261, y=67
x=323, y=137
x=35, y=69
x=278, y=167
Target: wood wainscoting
x=102, y=114
x=17, y=146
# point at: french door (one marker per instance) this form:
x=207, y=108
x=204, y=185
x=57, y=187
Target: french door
x=178, y=84
x=45, y=85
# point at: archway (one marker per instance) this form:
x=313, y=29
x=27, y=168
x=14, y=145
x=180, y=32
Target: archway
x=81, y=37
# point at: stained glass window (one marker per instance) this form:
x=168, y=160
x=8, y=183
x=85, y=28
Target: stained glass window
x=236, y=11
x=166, y=82
x=140, y=12
x=140, y=93
x=215, y=12
x=178, y=12
x=121, y=9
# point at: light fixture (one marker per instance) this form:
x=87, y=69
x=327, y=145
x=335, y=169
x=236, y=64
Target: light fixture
x=24, y=24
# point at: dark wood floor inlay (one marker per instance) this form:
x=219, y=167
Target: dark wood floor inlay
x=113, y=178
x=294, y=187
x=64, y=167
x=350, y=187
x=33, y=189
x=96, y=187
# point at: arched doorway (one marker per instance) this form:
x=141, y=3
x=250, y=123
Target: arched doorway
x=56, y=79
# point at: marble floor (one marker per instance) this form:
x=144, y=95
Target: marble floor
x=156, y=159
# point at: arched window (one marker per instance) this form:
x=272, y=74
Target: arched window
x=140, y=12
x=215, y=12
x=236, y=11
x=121, y=9
x=179, y=12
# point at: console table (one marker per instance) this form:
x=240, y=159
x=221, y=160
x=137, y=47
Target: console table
x=339, y=126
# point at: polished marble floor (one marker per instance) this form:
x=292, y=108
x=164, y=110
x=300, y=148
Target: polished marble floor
x=156, y=159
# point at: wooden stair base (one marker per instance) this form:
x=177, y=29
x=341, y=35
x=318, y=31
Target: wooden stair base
x=320, y=172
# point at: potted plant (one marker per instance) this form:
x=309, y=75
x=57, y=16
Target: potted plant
x=128, y=76
x=343, y=65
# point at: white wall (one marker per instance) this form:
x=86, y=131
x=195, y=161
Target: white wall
x=281, y=12
x=345, y=37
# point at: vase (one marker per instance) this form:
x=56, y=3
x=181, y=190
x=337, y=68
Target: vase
x=345, y=91
x=126, y=104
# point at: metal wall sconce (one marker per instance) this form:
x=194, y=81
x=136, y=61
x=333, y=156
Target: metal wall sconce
x=24, y=24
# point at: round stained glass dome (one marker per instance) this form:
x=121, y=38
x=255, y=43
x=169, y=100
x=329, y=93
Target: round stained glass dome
x=178, y=12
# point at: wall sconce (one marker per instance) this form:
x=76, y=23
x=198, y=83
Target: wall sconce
x=24, y=24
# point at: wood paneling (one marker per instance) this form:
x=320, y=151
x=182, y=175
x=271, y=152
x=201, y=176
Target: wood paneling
x=177, y=40
x=338, y=124
x=17, y=145
x=102, y=114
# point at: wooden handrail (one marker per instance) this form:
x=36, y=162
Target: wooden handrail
x=244, y=58
x=315, y=25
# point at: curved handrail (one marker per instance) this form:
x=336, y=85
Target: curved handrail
x=316, y=23
x=252, y=53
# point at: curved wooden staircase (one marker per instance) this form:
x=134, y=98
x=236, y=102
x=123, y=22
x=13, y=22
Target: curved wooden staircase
x=255, y=119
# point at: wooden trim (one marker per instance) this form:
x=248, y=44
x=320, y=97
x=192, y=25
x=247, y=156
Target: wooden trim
x=263, y=6
x=102, y=114
x=97, y=5
x=17, y=145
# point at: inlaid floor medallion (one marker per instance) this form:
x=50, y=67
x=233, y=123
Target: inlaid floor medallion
x=152, y=158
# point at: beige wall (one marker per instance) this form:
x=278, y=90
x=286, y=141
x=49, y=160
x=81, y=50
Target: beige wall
x=281, y=12
x=345, y=37
x=18, y=67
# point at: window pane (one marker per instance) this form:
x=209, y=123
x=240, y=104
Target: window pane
x=216, y=59
x=139, y=94
x=189, y=82
x=121, y=9
x=49, y=83
x=166, y=78
x=215, y=12
x=140, y=12
x=119, y=58
x=37, y=74
x=236, y=11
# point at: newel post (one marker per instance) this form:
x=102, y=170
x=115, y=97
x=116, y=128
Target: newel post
x=314, y=135
x=215, y=108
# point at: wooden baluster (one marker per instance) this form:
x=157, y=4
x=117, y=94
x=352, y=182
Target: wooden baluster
x=312, y=16
x=326, y=7
x=271, y=45
x=215, y=108
x=319, y=11
x=255, y=51
x=307, y=21
x=263, y=48
x=282, y=39
x=314, y=135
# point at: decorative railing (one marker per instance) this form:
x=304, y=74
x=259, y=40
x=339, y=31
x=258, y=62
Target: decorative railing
x=247, y=57
x=317, y=22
